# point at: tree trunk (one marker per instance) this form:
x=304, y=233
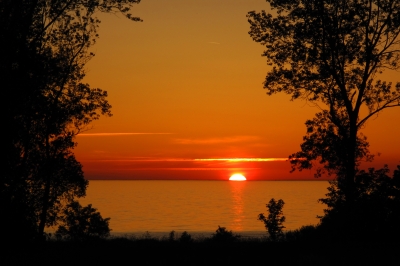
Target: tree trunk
x=46, y=193
x=45, y=207
x=350, y=170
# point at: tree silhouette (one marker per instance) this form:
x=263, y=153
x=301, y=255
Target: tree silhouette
x=376, y=210
x=323, y=144
x=82, y=223
x=45, y=46
x=332, y=52
x=275, y=219
x=185, y=237
x=223, y=235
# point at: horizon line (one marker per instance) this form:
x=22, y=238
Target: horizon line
x=149, y=159
x=119, y=134
x=107, y=179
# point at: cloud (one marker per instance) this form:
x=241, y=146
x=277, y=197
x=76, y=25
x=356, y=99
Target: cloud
x=193, y=169
x=140, y=159
x=147, y=160
x=117, y=134
x=213, y=42
x=242, y=159
x=216, y=140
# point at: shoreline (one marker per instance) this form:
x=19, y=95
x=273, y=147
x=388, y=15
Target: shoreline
x=194, y=234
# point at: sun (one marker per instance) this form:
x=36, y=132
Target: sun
x=237, y=177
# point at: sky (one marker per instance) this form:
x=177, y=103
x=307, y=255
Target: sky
x=188, y=100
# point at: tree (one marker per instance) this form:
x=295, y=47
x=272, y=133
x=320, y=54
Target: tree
x=274, y=222
x=224, y=236
x=185, y=238
x=331, y=52
x=42, y=66
x=376, y=212
x=82, y=223
x=322, y=143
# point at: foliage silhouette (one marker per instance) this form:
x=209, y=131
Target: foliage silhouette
x=375, y=214
x=275, y=219
x=45, y=46
x=117, y=251
x=185, y=237
x=322, y=143
x=82, y=223
x=308, y=233
x=223, y=235
x=171, y=236
x=332, y=52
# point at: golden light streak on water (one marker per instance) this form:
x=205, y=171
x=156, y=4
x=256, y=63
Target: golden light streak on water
x=200, y=206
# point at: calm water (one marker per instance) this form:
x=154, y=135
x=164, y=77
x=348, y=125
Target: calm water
x=200, y=206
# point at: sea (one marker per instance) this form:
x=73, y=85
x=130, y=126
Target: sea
x=151, y=207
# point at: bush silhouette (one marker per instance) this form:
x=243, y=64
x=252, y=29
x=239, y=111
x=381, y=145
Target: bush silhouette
x=307, y=233
x=273, y=223
x=81, y=223
x=185, y=237
x=171, y=236
x=223, y=235
x=375, y=209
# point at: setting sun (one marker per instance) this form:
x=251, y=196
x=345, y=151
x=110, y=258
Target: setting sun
x=237, y=177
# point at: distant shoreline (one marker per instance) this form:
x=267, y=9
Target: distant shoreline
x=165, y=234
x=194, y=234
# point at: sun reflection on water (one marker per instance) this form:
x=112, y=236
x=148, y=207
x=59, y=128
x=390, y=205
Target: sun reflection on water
x=200, y=206
x=237, y=205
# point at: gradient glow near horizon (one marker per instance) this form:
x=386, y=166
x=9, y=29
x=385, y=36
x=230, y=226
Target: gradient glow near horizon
x=187, y=97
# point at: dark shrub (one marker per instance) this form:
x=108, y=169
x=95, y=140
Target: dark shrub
x=373, y=215
x=185, y=237
x=80, y=223
x=223, y=235
x=304, y=233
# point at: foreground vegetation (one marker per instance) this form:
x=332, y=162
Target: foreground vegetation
x=223, y=248
x=314, y=57
x=369, y=236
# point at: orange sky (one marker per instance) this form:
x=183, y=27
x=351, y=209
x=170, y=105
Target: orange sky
x=186, y=84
